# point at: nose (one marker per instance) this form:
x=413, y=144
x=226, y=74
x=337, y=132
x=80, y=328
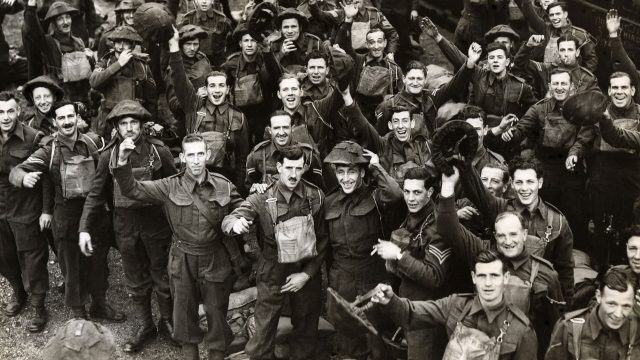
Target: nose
x=618, y=312
x=636, y=255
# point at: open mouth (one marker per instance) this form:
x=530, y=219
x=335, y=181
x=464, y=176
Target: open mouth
x=525, y=196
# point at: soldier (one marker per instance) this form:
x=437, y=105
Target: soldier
x=377, y=75
x=607, y=330
x=552, y=236
x=84, y=23
x=292, y=45
x=316, y=84
x=223, y=125
x=142, y=234
x=290, y=211
x=194, y=203
x=415, y=97
x=261, y=162
x=533, y=286
x=502, y=330
x=420, y=258
x=561, y=148
x=354, y=216
x=6, y=8
x=558, y=24
x=475, y=117
x=124, y=16
x=120, y=75
x=23, y=259
x=42, y=92
x=253, y=73
x=216, y=25
x=70, y=158
x=197, y=66
x=619, y=59
x=569, y=53
x=65, y=57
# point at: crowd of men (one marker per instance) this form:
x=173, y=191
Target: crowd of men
x=304, y=142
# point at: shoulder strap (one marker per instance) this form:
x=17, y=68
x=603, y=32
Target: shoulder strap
x=632, y=336
x=313, y=105
x=53, y=153
x=264, y=166
x=549, y=228
x=465, y=311
x=535, y=266
x=373, y=196
x=202, y=208
x=577, y=333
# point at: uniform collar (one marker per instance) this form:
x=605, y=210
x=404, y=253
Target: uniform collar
x=493, y=78
x=594, y=326
x=541, y=208
x=520, y=260
x=627, y=111
x=368, y=59
x=69, y=142
x=492, y=314
x=222, y=108
x=561, y=30
x=18, y=130
x=287, y=194
x=191, y=182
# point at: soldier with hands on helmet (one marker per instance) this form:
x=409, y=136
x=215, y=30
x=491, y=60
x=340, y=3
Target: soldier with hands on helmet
x=142, y=234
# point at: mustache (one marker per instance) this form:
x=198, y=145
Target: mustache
x=67, y=126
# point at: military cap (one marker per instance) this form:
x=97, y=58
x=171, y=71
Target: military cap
x=262, y=17
x=346, y=153
x=455, y=137
x=241, y=30
x=128, y=108
x=151, y=18
x=80, y=339
x=190, y=32
x=341, y=64
x=59, y=8
x=42, y=81
x=125, y=32
x=291, y=13
x=128, y=5
x=585, y=108
x=501, y=30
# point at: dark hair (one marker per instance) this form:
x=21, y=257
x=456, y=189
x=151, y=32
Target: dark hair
x=399, y=108
x=488, y=256
x=279, y=113
x=430, y=177
x=415, y=65
x=374, y=30
x=618, y=280
x=217, y=73
x=498, y=46
x=58, y=104
x=291, y=152
x=562, y=4
x=192, y=138
x=619, y=74
x=525, y=163
x=317, y=54
x=287, y=76
x=497, y=165
x=631, y=231
x=560, y=70
x=569, y=37
x=507, y=213
x=473, y=112
x=8, y=95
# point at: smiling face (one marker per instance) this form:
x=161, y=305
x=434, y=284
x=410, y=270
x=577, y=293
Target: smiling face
x=545, y=3
x=510, y=236
x=376, y=43
x=66, y=120
x=498, y=62
x=615, y=306
x=560, y=86
x=127, y=17
x=9, y=113
x=204, y=5
x=289, y=92
x=248, y=45
x=194, y=155
x=190, y=48
x=290, y=29
x=401, y=125
x=129, y=127
x=217, y=89
x=280, y=129
x=42, y=99
x=349, y=177
x=490, y=279
x=568, y=52
x=558, y=17
x=416, y=196
x=414, y=81
x=291, y=172
x=621, y=91
x=633, y=253
x=493, y=180
x=317, y=71
x=120, y=45
x=62, y=23
x=527, y=185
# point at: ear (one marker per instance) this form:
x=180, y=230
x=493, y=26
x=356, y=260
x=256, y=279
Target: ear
x=508, y=62
x=268, y=128
x=362, y=172
x=473, y=277
x=278, y=166
x=526, y=233
x=182, y=159
x=390, y=125
x=540, y=183
x=208, y=154
x=430, y=192
x=598, y=296
x=413, y=122
x=278, y=93
x=577, y=52
x=507, y=275
x=633, y=91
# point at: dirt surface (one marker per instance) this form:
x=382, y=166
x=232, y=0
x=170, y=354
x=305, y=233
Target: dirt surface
x=16, y=343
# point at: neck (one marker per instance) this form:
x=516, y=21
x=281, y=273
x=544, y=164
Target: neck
x=533, y=205
x=501, y=75
x=250, y=58
x=490, y=305
x=200, y=178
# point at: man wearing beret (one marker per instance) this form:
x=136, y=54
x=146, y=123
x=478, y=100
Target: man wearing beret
x=142, y=234
x=122, y=74
x=354, y=215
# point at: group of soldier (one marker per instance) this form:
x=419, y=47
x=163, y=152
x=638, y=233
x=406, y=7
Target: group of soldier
x=308, y=131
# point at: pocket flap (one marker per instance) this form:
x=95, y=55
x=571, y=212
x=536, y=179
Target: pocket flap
x=180, y=199
x=364, y=207
x=20, y=153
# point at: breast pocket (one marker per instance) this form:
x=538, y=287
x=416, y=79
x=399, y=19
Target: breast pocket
x=182, y=210
x=558, y=133
x=219, y=203
x=366, y=224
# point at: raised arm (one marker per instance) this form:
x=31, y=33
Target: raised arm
x=449, y=50
x=523, y=59
x=618, y=137
x=185, y=92
x=533, y=19
x=620, y=59
x=366, y=134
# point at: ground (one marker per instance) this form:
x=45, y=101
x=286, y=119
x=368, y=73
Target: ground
x=16, y=343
